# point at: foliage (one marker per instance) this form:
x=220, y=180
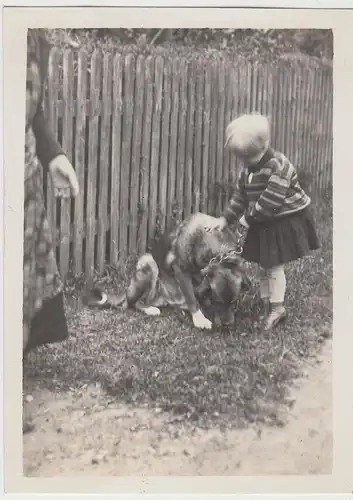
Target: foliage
x=257, y=45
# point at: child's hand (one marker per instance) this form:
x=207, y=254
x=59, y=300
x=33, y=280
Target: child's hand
x=243, y=222
x=218, y=225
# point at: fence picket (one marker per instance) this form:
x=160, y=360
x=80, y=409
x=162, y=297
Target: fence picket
x=328, y=134
x=136, y=154
x=188, y=181
x=165, y=136
x=312, y=126
x=281, y=112
x=253, y=98
x=173, y=143
x=240, y=107
x=128, y=111
x=80, y=142
x=95, y=81
x=228, y=115
x=300, y=95
x=65, y=207
x=220, y=170
x=52, y=109
x=274, y=108
x=206, y=139
x=261, y=101
x=268, y=95
x=321, y=90
x=307, y=119
x=197, y=159
x=287, y=114
x=155, y=153
x=180, y=172
x=116, y=159
x=102, y=223
x=293, y=97
x=212, y=188
x=145, y=164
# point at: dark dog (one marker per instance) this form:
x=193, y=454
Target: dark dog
x=186, y=268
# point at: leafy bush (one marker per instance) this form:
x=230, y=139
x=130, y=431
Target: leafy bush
x=248, y=44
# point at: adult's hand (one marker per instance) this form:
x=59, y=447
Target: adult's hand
x=64, y=177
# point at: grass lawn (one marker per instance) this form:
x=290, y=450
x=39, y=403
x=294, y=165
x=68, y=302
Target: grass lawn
x=227, y=378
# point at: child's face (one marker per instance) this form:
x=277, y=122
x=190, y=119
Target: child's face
x=246, y=158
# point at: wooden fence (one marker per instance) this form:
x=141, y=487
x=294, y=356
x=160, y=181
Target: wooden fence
x=146, y=137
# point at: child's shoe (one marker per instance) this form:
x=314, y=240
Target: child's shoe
x=276, y=316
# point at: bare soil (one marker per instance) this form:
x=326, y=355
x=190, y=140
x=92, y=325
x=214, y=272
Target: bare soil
x=84, y=432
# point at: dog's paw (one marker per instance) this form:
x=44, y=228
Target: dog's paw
x=152, y=311
x=200, y=321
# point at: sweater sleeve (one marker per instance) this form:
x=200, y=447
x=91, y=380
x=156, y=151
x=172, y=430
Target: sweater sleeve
x=272, y=198
x=47, y=145
x=238, y=202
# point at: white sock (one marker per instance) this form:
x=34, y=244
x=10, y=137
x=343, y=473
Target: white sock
x=264, y=285
x=277, y=285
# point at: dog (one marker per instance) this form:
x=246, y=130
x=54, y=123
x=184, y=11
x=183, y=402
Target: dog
x=187, y=268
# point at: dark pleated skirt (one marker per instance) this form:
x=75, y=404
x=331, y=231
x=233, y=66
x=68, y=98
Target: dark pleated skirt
x=281, y=240
x=49, y=324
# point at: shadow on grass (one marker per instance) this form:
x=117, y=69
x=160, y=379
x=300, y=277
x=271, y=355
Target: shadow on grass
x=227, y=378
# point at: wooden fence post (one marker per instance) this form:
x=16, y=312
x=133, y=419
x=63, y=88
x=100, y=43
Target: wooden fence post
x=146, y=148
x=173, y=141
x=116, y=159
x=128, y=113
x=102, y=222
x=94, y=113
x=53, y=97
x=65, y=216
x=80, y=142
x=136, y=153
x=155, y=143
x=165, y=140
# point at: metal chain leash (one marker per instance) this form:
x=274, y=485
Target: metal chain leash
x=239, y=239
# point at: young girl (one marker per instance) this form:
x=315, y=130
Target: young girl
x=270, y=202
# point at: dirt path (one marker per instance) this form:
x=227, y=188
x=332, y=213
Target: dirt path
x=83, y=433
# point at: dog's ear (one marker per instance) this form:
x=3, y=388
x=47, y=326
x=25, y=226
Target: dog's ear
x=237, y=264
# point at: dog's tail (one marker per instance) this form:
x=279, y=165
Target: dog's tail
x=95, y=297
x=142, y=287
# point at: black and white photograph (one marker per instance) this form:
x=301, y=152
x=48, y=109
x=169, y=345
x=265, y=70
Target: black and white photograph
x=179, y=263
x=177, y=268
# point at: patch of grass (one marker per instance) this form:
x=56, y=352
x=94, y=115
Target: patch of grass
x=230, y=378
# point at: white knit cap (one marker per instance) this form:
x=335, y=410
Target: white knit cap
x=249, y=136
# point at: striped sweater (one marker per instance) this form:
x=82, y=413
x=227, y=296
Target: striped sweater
x=267, y=190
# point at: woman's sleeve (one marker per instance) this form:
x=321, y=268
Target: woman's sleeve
x=47, y=145
x=238, y=202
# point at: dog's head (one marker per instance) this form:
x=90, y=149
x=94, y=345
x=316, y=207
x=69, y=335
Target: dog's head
x=227, y=277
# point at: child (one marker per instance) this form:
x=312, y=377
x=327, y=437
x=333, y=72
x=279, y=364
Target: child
x=273, y=207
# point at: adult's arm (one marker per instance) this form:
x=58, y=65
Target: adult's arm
x=47, y=145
